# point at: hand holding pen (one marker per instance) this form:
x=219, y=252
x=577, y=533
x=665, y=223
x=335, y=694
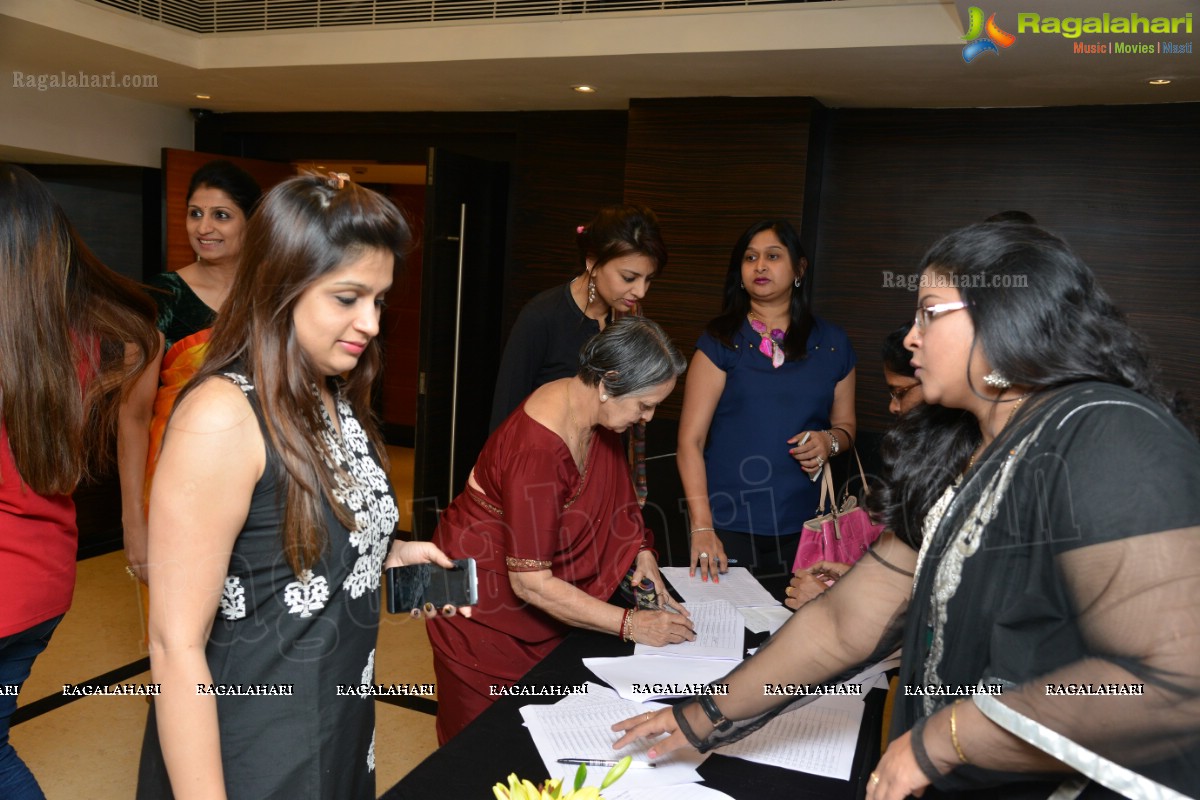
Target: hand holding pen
x=809, y=452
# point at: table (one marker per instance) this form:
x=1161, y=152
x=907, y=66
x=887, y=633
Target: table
x=496, y=744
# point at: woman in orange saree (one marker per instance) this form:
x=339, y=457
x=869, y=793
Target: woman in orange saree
x=221, y=197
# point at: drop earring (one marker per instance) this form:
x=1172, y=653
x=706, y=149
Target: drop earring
x=996, y=380
x=591, y=291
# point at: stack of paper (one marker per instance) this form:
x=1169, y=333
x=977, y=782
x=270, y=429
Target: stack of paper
x=737, y=586
x=580, y=726
x=761, y=611
x=719, y=634
x=819, y=737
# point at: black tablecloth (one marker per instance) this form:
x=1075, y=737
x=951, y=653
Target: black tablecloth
x=496, y=744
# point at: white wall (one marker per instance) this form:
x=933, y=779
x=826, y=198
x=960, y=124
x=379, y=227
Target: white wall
x=87, y=124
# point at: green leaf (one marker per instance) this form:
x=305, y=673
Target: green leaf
x=616, y=772
x=580, y=776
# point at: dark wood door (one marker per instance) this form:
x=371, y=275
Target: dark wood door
x=461, y=292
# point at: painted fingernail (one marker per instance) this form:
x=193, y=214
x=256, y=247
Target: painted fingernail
x=448, y=610
x=430, y=609
x=415, y=613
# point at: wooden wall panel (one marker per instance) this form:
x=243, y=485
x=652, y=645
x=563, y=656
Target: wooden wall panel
x=710, y=167
x=1122, y=185
x=401, y=324
x=568, y=165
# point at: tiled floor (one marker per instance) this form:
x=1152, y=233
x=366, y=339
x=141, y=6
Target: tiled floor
x=89, y=747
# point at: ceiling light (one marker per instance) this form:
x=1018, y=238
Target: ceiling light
x=204, y=97
x=583, y=88
x=1160, y=81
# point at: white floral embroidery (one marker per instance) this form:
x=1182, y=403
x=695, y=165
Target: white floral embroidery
x=307, y=594
x=371, y=753
x=368, y=673
x=362, y=486
x=241, y=381
x=233, y=598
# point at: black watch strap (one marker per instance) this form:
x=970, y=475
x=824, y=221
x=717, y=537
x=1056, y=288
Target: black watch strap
x=709, y=705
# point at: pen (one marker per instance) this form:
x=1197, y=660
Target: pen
x=600, y=762
x=812, y=476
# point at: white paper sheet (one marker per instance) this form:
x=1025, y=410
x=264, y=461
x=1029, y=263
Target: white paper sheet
x=819, y=738
x=765, y=618
x=737, y=586
x=643, y=678
x=579, y=727
x=719, y=634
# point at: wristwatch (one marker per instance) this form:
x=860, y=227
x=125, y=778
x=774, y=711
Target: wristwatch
x=714, y=714
x=834, y=445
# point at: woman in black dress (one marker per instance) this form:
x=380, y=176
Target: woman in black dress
x=271, y=517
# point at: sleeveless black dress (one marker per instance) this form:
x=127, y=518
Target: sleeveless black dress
x=309, y=635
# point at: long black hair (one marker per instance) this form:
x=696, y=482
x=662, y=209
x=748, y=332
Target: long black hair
x=1041, y=320
x=737, y=302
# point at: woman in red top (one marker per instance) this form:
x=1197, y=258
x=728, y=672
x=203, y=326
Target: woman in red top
x=550, y=516
x=72, y=334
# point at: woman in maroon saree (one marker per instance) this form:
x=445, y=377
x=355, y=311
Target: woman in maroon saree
x=551, y=518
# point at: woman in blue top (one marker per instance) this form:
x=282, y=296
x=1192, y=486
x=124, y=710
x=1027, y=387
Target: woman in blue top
x=771, y=392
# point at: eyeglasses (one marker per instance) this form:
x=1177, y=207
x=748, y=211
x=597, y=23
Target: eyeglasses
x=926, y=314
x=898, y=394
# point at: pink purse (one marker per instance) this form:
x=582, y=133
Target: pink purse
x=839, y=534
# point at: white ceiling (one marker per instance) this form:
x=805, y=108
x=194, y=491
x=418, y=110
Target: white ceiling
x=850, y=53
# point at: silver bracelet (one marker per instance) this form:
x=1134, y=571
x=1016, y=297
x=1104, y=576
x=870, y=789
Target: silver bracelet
x=834, y=445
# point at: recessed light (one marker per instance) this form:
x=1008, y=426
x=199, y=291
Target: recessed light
x=204, y=97
x=583, y=88
x=1160, y=81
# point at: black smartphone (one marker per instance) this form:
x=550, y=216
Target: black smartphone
x=413, y=586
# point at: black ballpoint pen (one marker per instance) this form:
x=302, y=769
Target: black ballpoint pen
x=600, y=762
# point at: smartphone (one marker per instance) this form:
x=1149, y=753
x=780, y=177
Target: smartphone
x=413, y=586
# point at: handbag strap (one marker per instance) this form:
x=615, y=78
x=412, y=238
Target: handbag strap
x=862, y=476
x=827, y=490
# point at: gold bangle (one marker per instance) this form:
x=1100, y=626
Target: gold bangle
x=954, y=733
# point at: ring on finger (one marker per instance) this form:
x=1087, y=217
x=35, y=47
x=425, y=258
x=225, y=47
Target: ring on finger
x=874, y=777
x=704, y=555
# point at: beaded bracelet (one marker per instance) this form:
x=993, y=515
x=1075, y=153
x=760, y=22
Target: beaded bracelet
x=954, y=733
x=627, y=625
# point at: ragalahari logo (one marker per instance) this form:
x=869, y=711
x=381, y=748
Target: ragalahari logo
x=992, y=39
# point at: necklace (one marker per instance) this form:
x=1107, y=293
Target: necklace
x=769, y=345
x=1007, y=420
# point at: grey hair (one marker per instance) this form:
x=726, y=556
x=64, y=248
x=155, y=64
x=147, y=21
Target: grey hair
x=631, y=355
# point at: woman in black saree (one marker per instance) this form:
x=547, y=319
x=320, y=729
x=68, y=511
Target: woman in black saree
x=1046, y=555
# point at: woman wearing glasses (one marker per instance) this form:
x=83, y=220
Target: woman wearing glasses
x=769, y=399
x=1020, y=563
x=904, y=390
